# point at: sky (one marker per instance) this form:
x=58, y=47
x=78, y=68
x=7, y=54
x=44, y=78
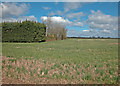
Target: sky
x=82, y=19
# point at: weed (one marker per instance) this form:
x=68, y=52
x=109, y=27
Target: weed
x=2, y=67
x=40, y=71
x=42, y=76
x=57, y=66
x=48, y=77
x=17, y=77
x=23, y=78
x=69, y=63
x=46, y=71
x=62, y=64
x=18, y=69
x=101, y=73
x=7, y=73
x=78, y=73
x=95, y=65
x=72, y=77
x=110, y=71
x=23, y=69
x=75, y=68
x=34, y=71
x=30, y=65
x=88, y=77
x=44, y=62
x=27, y=63
x=60, y=74
x=99, y=78
x=12, y=60
x=54, y=75
x=82, y=71
x=66, y=76
x=31, y=73
x=97, y=71
x=3, y=61
x=38, y=75
x=9, y=67
x=103, y=79
x=11, y=75
x=52, y=67
x=107, y=64
x=8, y=56
x=67, y=70
x=88, y=65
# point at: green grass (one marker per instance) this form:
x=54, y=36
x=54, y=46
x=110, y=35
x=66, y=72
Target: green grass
x=85, y=57
x=75, y=50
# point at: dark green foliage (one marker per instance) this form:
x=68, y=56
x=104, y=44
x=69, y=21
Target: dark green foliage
x=26, y=31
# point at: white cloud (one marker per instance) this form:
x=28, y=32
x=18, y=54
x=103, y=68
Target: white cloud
x=59, y=12
x=12, y=12
x=71, y=6
x=101, y=18
x=56, y=2
x=80, y=0
x=0, y=11
x=88, y=33
x=89, y=0
x=56, y=19
x=79, y=24
x=85, y=30
x=46, y=8
x=99, y=25
x=72, y=15
x=98, y=20
x=13, y=9
x=61, y=20
x=107, y=31
x=51, y=14
x=23, y=18
x=60, y=0
x=8, y=20
x=30, y=18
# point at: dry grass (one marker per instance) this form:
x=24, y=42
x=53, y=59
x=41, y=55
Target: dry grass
x=27, y=71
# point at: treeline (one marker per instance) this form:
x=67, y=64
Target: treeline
x=26, y=31
x=92, y=38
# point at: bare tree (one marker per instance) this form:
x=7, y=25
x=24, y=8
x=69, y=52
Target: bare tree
x=55, y=28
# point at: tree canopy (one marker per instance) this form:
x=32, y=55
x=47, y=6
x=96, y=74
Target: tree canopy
x=26, y=31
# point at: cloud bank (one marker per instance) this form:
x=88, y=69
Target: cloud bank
x=13, y=9
x=12, y=12
x=106, y=23
x=99, y=24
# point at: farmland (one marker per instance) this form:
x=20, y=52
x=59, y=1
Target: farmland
x=70, y=61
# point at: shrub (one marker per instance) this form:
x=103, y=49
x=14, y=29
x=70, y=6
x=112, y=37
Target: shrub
x=26, y=31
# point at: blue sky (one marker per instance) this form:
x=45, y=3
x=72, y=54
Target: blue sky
x=81, y=18
x=37, y=8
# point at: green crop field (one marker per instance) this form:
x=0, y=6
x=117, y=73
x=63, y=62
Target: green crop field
x=80, y=61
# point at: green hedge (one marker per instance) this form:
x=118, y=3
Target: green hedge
x=27, y=31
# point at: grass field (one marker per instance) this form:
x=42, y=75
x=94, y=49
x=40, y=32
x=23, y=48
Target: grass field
x=84, y=61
